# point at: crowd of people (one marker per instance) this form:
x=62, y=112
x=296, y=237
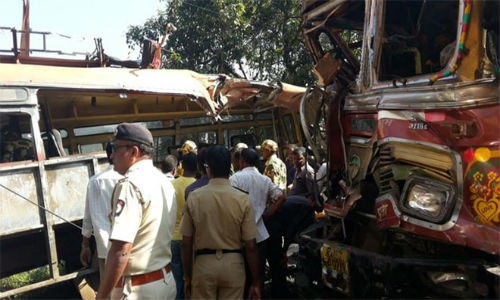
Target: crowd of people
x=202, y=225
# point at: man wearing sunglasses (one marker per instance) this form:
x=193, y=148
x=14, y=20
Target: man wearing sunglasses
x=143, y=218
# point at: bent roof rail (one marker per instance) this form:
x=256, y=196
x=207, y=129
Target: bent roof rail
x=232, y=93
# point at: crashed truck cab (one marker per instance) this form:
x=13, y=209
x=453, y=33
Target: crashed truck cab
x=405, y=113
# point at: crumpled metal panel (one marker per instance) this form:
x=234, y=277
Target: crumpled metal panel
x=67, y=189
x=18, y=214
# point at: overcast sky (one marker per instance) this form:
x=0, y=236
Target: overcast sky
x=83, y=20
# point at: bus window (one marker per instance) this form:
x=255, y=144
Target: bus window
x=16, y=139
x=89, y=148
x=162, y=145
x=265, y=132
x=103, y=134
x=91, y=130
x=195, y=121
x=236, y=118
x=202, y=137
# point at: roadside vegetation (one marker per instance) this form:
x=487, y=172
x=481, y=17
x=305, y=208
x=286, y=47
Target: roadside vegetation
x=24, y=278
x=64, y=290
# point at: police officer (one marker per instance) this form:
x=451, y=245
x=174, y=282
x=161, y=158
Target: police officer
x=218, y=224
x=143, y=218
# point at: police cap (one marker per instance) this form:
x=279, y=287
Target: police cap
x=134, y=132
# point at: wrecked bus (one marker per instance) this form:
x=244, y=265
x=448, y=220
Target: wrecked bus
x=56, y=120
x=406, y=115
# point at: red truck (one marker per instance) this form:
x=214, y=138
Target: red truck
x=406, y=115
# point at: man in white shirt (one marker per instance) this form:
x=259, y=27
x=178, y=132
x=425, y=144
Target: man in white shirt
x=259, y=188
x=169, y=166
x=96, y=217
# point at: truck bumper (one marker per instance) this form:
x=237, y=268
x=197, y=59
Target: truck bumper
x=358, y=273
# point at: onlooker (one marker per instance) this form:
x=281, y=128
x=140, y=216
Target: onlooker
x=259, y=188
x=303, y=180
x=96, y=216
x=235, y=156
x=203, y=179
x=180, y=184
x=293, y=216
x=301, y=203
x=274, y=167
x=187, y=147
x=169, y=166
x=143, y=219
x=218, y=222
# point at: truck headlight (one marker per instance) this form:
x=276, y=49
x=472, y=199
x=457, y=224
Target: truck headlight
x=428, y=199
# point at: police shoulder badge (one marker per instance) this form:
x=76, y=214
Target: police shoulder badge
x=120, y=204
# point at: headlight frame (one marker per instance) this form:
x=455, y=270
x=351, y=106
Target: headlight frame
x=428, y=199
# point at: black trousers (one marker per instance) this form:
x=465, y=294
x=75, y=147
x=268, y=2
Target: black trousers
x=262, y=252
x=295, y=215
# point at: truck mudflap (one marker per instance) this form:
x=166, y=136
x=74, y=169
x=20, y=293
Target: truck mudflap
x=358, y=273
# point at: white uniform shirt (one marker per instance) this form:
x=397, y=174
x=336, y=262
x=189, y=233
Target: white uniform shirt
x=98, y=208
x=170, y=176
x=259, y=188
x=144, y=214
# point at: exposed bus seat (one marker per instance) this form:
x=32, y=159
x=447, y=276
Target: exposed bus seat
x=53, y=143
x=56, y=135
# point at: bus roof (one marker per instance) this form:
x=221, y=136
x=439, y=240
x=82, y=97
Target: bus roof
x=233, y=92
x=174, y=82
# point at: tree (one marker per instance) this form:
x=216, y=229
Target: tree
x=252, y=39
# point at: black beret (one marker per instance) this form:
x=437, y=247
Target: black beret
x=134, y=132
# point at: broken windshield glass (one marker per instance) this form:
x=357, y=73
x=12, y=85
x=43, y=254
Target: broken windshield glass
x=419, y=37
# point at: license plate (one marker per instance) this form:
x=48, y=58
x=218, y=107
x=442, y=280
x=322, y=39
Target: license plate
x=335, y=268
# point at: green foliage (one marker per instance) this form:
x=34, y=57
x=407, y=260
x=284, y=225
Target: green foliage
x=33, y=276
x=24, y=278
x=252, y=39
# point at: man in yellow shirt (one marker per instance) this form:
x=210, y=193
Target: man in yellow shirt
x=180, y=183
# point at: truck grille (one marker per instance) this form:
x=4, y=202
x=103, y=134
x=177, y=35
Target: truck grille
x=399, y=160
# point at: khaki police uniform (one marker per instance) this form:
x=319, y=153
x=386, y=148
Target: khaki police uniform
x=219, y=218
x=144, y=212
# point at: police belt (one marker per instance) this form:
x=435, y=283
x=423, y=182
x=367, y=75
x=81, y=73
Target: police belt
x=206, y=251
x=144, y=278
